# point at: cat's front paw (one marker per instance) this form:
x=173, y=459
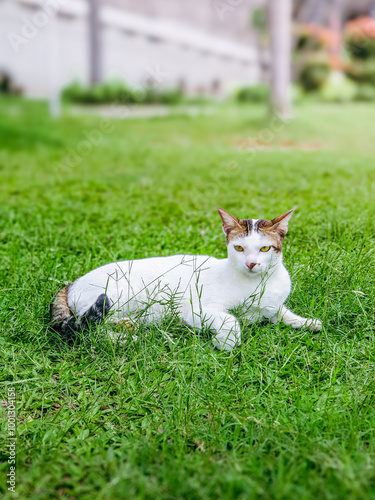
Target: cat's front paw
x=297, y=322
x=226, y=342
x=314, y=324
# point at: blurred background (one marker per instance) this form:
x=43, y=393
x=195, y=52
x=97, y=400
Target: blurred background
x=167, y=51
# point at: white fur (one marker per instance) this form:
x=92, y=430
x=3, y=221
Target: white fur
x=203, y=289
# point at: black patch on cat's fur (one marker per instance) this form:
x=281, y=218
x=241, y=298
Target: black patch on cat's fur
x=259, y=223
x=93, y=316
x=97, y=312
x=248, y=223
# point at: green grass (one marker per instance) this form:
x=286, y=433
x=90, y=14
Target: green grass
x=289, y=414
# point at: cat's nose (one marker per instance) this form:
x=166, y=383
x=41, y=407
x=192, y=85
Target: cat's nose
x=250, y=266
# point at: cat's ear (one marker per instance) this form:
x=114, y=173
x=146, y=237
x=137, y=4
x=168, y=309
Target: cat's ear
x=280, y=224
x=230, y=222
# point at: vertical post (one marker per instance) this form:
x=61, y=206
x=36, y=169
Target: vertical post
x=280, y=26
x=335, y=22
x=95, y=42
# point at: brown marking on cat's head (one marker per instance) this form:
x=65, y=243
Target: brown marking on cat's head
x=234, y=227
x=274, y=229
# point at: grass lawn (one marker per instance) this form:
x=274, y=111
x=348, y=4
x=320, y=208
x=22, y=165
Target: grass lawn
x=289, y=414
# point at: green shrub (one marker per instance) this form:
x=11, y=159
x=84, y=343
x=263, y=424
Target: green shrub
x=117, y=91
x=75, y=92
x=199, y=100
x=314, y=75
x=171, y=96
x=259, y=19
x=152, y=95
x=338, y=88
x=365, y=92
x=7, y=85
x=98, y=94
x=360, y=47
x=253, y=93
x=306, y=41
x=362, y=71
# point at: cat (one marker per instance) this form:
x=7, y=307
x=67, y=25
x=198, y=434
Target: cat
x=203, y=289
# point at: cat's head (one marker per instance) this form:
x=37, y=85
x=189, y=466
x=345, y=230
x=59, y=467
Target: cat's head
x=254, y=245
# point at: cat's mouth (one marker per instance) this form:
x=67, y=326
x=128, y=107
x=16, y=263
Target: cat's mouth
x=254, y=270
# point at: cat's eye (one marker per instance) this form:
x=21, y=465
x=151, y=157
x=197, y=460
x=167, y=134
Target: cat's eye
x=265, y=249
x=238, y=248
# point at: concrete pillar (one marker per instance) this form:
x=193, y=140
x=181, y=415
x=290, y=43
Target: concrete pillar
x=280, y=29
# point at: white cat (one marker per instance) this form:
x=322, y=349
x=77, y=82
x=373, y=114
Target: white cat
x=203, y=289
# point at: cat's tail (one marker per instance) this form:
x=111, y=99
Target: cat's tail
x=64, y=321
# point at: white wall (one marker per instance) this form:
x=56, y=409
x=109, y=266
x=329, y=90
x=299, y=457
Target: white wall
x=132, y=45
